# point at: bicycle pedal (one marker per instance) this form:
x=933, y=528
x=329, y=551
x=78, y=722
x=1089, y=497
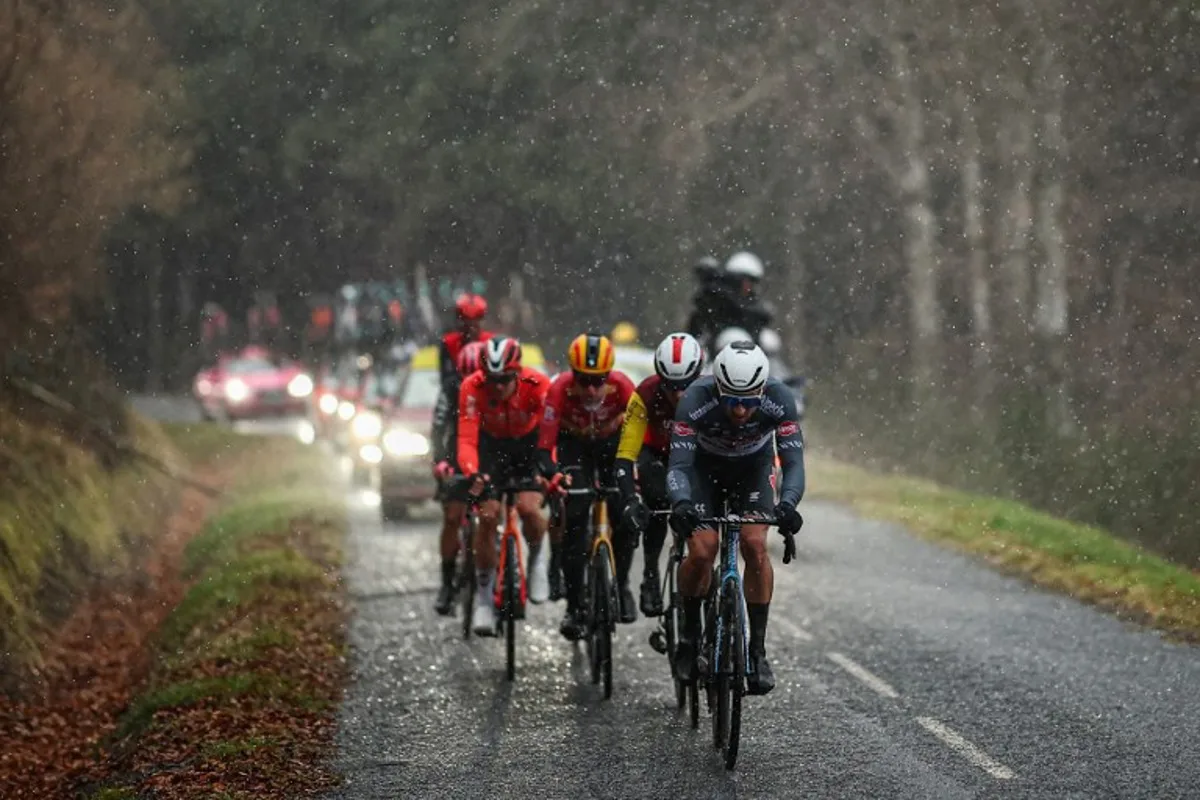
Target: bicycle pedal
x=658, y=641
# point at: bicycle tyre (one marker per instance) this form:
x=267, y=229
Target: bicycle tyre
x=693, y=691
x=592, y=609
x=721, y=680
x=512, y=587
x=609, y=625
x=469, y=580
x=737, y=676
x=672, y=621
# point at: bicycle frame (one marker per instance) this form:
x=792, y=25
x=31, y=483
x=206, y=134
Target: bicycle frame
x=509, y=529
x=601, y=523
x=728, y=576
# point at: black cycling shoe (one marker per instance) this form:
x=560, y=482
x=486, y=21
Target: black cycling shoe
x=651, y=596
x=760, y=680
x=573, y=626
x=628, y=608
x=685, y=661
x=444, y=604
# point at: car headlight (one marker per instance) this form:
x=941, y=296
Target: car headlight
x=236, y=390
x=346, y=409
x=399, y=442
x=328, y=404
x=367, y=425
x=300, y=386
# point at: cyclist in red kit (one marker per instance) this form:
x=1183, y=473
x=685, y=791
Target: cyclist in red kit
x=499, y=409
x=582, y=421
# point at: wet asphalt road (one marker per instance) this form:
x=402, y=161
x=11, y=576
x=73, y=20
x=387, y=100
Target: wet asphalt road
x=903, y=671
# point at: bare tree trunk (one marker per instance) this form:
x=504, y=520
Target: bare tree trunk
x=157, y=355
x=920, y=230
x=1016, y=232
x=792, y=318
x=1050, y=314
x=983, y=375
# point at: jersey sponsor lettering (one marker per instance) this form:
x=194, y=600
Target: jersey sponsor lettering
x=788, y=428
x=683, y=429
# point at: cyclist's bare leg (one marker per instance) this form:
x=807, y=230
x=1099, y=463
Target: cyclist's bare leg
x=695, y=575
x=485, y=536
x=758, y=586
x=533, y=524
x=695, y=572
x=759, y=577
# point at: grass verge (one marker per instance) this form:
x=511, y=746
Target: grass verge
x=67, y=518
x=249, y=665
x=1085, y=562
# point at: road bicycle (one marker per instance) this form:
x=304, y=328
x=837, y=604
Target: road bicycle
x=723, y=656
x=601, y=597
x=511, y=592
x=665, y=638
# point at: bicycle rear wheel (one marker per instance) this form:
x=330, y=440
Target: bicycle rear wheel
x=511, y=599
x=737, y=680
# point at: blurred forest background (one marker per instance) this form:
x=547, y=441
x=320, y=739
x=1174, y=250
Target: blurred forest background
x=980, y=221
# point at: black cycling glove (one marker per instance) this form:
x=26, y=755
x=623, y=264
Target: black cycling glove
x=635, y=516
x=684, y=519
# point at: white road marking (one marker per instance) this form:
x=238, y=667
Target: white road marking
x=795, y=630
x=873, y=682
x=970, y=752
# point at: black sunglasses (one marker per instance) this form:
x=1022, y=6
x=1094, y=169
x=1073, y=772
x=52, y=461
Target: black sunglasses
x=503, y=377
x=590, y=380
x=678, y=386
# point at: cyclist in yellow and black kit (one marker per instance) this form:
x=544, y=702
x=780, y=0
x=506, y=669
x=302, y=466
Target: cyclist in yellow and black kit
x=645, y=440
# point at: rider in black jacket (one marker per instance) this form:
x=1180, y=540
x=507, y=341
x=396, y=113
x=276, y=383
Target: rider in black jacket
x=729, y=299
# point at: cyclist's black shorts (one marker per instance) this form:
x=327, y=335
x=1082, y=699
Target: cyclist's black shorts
x=588, y=460
x=509, y=462
x=746, y=483
x=652, y=478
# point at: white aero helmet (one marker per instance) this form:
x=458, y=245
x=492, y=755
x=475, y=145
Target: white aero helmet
x=770, y=341
x=745, y=265
x=678, y=358
x=729, y=336
x=741, y=369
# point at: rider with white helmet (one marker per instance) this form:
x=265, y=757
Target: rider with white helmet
x=645, y=437
x=728, y=429
x=731, y=300
x=746, y=265
x=729, y=336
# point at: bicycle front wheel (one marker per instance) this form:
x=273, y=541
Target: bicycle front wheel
x=512, y=597
x=737, y=681
x=468, y=580
x=672, y=623
x=600, y=614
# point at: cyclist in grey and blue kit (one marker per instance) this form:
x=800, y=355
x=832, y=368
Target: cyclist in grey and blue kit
x=728, y=428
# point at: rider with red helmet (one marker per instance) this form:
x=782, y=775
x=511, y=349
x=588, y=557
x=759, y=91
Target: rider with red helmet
x=470, y=309
x=444, y=438
x=500, y=407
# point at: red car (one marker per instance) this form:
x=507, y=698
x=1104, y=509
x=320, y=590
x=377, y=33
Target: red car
x=252, y=384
